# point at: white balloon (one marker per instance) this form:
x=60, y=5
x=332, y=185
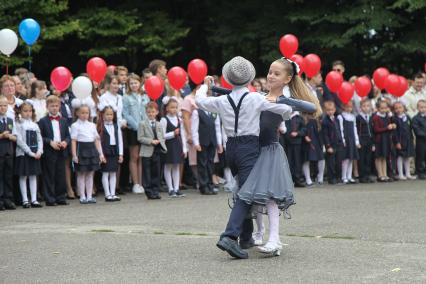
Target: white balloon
x=8, y=41
x=82, y=87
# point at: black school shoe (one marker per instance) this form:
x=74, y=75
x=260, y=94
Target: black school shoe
x=247, y=245
x=9, y=205
x=62, y=202
x=36, y=204
x=26, y=205
x=231, y=246
x=179, y=194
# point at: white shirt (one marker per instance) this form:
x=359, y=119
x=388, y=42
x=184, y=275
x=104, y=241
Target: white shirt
x=111, y=131
x=84, y=131
x=39, y=107
x=10, y=109
x=195, y=123
x=249, y=116
x=116, y=102
x=349, y=117
x=170, y=135
x=56, y=129
x=76, y=103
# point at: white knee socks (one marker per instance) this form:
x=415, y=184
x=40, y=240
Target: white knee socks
x=399, y=161
x=33, y=188
x=407, y=167
x=85, y=184
x=347, y=169
x=307, y=172
x=109, y=182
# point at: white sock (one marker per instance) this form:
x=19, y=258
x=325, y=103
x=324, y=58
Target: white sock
x=23, y=187
x=321, y=167
x=259, y=223
x=407, y=162
x=81, y=184
x=105, y=184
x=89, y=184
x=112, y=182
x=168, y=176
x=33, y=188
x=399, y=166
x=228, y=175
x=345, y=164
x=274, y=222
x=307, y=172
x=176, y=176
x=349, y=170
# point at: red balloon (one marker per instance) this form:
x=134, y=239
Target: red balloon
x=251, y=88
x=300, y=61
x=288, y=45
x=154, y=87
x=224, y=83
x=61, y=78
x=403, y=86
x=177, y=77
x=379, y=77
x=312, y=65
x=346, y=92
x=197, y=70
x=363, y=86
x=392, y=84
x=96, y=68
x=334, y=80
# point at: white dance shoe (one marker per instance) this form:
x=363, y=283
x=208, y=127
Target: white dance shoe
x=258, y=238
x=271, y=249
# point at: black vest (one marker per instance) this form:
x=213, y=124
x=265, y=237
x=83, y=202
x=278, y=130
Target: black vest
x=6, y=146
x=107, y=149
x=207, y=129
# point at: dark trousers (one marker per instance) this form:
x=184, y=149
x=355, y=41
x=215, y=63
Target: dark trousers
x=54, y=183
x=6, y=179
x=151, y=170
x=294, y=155
x=334, y=163
x=241, y=155
x=205, y=167
x=420, y=156
x=365, y=160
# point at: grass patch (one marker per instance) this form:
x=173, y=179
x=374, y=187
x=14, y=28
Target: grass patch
x=183, y=234
x=102, y=231
x=339, y=237
x=201, y=234
x=334, y=236
x=158, y=233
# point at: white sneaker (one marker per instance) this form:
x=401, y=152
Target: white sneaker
x=271, y=249
x=258, y=238
x=402, y=178
x=136, y=189
x=411, y=177
x=141, y=188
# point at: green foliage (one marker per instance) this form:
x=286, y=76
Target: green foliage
x=364, y=34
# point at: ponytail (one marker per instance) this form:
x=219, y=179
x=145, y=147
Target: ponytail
x=300, y=91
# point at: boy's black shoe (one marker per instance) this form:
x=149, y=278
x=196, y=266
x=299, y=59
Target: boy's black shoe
x=9, y=205
x=231, y=246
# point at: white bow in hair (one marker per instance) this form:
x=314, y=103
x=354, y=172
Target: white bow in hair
x=295, y=64
x=20, y=102
x=167, y=99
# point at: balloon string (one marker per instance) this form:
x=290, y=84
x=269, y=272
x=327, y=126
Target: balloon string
x=29, y=55
x=7, y=65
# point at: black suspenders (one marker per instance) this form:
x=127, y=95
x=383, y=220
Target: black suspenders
x=236, y=110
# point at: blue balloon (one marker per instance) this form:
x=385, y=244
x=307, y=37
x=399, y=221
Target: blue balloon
x=29, y=30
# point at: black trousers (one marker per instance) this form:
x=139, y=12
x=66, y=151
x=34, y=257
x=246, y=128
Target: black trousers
x=365, y=160
x=6, y=179
x=241, y=155
x=151, y=173
x=334, y=163
x=54, y=183
x=420, y=156
x=294, y=155
x=205, y=167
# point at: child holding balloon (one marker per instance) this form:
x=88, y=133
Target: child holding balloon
x=383, y=128
x=351, y=144
x=86, y=152
x=176, y=145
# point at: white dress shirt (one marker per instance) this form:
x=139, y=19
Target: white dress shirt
x=195, y=123
x=249, y=116
x=116, y=102
x=349, y=117
x=56, y=129
x=109, y=126
x=84, y=131
x=39, y=107
x=170, y=135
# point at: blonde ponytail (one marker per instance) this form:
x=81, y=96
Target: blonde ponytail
x=300, y=91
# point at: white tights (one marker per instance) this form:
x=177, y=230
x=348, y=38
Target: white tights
x=307, y=171
x=172, y=176
x=33, y=188
x=85, y=184
x=347, y=169
x=274, y=222
x=109, y=182
x=403, y=164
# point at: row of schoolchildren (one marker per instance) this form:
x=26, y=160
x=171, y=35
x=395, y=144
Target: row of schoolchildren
x=342, y=141
x=44, y=144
